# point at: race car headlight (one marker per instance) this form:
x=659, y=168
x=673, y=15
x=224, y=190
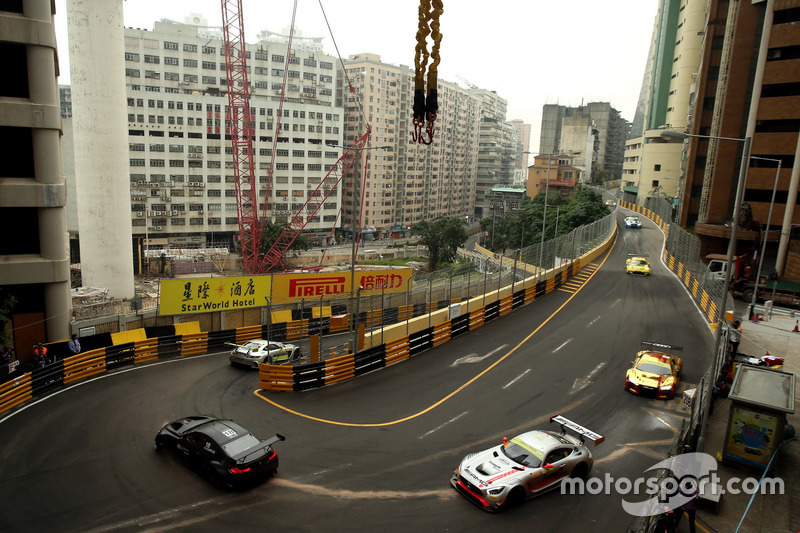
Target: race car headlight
x=496, y=491
x=665, y=387
x=632, y=381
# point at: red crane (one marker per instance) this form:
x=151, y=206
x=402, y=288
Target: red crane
x=240, y=128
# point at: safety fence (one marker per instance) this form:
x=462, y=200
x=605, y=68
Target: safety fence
x=392, y=345
x=382, y=311
x=682, y=256
x=314, y=375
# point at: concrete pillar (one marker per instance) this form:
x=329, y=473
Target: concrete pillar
x=46, y=142
x=99, y=107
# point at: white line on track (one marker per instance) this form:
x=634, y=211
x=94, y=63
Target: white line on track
x=443, y=425
x=475, y=358
x=507, y=385
x=565, y=343
x=593, y=321
x=618, y=300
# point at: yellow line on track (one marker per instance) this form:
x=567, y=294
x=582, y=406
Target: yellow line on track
x=459, y=389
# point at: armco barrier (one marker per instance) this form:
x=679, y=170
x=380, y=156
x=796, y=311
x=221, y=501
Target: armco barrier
x=441, y=330
x=694, y=285
x=15, y=392
x=188, y=340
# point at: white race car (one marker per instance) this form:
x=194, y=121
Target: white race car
x=262, y=351
x=527, y=465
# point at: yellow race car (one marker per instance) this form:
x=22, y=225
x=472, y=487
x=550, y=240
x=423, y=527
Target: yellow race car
x=637, y=264
x=655, y=371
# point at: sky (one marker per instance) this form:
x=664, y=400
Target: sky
x=531, y=52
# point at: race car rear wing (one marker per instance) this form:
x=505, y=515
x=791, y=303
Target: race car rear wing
x=648, y=345
x=580, y=430
x=638, y=255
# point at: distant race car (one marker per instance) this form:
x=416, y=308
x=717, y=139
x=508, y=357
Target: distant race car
x=637, y=264
x=262, y=351
x=525, y=466
x=655, y=371
x=633, y=222
x=224, y=452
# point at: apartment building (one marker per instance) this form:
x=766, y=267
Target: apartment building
x=181, y=169
x=407, y=182
x=553, y=174
x=595, y=126
x=652, y=167
x=498, y=148
x=34, y=264
x=748, y=86
x=522, y=140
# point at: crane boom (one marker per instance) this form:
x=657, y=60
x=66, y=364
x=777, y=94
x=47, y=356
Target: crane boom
x=240, y=129
x=314, y=202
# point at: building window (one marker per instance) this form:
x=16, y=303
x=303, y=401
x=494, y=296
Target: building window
x=152, y=59
x=656, y=168
x=170, y=46
x=131, y=57
x=189, y=47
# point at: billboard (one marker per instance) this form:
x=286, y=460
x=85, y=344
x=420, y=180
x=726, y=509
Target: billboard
x=203, y=295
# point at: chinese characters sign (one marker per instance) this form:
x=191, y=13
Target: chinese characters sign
x=203, y=295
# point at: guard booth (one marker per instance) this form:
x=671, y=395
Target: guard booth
x=760, y=400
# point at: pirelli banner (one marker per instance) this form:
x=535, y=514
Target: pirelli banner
x=203, y=295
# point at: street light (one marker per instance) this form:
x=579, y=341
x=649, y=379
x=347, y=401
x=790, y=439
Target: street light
x=544, y=210
x=766, y=230
x=716, y=362
x=558, y=209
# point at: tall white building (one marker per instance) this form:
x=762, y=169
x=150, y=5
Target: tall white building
x=181, y=169
x=408, y=182
x=653, y=167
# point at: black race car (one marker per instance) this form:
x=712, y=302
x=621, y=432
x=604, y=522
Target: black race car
x=227, y=454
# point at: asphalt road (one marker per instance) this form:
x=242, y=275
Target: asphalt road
x=376, y=452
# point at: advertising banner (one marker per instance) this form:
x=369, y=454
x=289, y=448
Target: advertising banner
x=203, y=295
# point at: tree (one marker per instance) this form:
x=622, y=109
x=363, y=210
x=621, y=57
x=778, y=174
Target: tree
x=270, y=233
x=442, y=236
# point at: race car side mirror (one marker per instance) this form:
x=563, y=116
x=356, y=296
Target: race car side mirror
x=548, y=466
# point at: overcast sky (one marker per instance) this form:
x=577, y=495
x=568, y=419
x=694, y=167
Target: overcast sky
x=532, y=52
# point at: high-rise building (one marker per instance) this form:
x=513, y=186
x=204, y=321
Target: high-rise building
x=34, y=263
x=522, y=139
x=497, y=148
x=181, y=170
x=181, y=176
x=593, y=135
x=652, y=167
x=748, y=85
x=407, y=182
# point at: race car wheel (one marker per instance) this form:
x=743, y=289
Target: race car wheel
x=580, y=471
x=211, y=475
x=515, y=498
x=159, y=444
